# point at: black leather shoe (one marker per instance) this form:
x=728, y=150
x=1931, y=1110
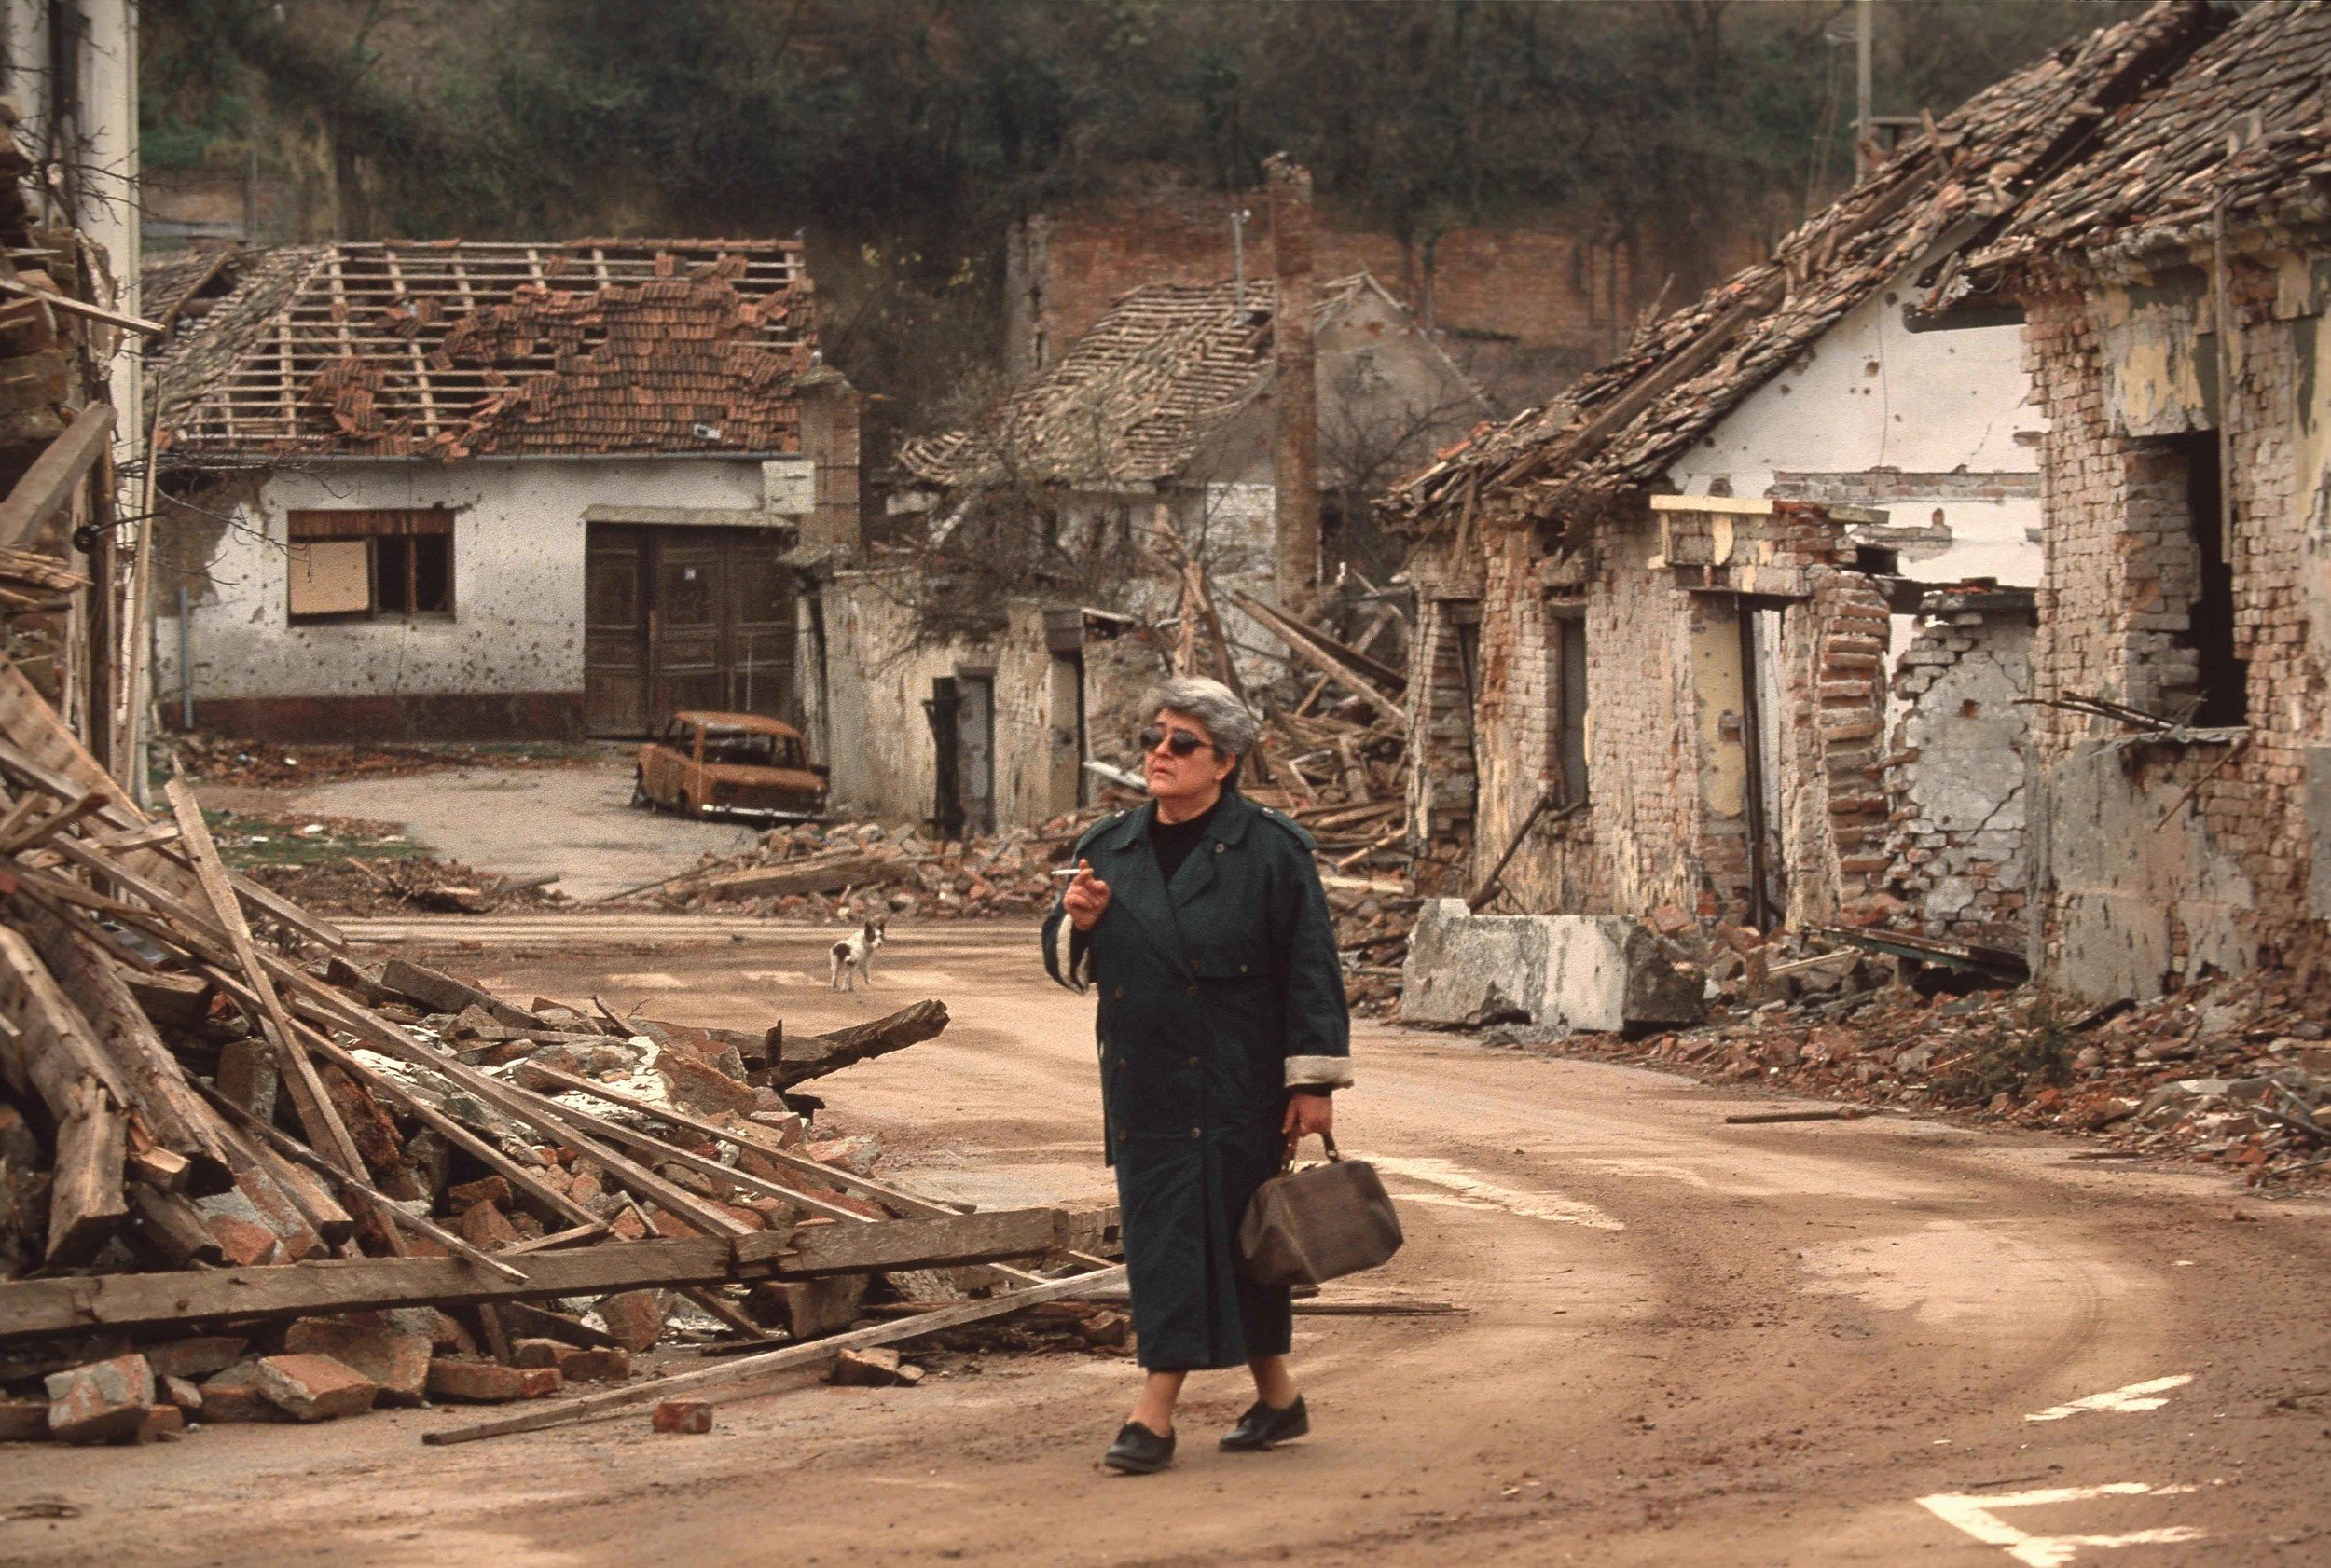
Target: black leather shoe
x=1138, y=1451
x=1262, y=1427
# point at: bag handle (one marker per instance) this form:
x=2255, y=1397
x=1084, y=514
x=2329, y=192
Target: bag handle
x=1287, y=1164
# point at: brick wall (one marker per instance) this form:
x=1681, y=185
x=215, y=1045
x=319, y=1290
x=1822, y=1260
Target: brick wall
x=1520, y=303
x=1955, y=779
x=1666, y=750
x=2230, y=873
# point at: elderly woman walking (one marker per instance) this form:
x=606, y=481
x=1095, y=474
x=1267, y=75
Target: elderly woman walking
x=1201, y=920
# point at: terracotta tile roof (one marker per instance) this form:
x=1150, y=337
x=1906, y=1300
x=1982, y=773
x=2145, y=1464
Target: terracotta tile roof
x=169, y=283
x=1621, y=426
x=1134, y=398
x=463, y=349
x=2156, y=178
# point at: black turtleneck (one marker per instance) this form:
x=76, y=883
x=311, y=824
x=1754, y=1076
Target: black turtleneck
x=1174, y=840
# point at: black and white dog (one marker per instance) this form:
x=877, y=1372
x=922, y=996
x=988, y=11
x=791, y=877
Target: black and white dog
x=852, y=958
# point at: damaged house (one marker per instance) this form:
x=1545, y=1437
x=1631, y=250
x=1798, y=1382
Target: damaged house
x=1185, y=425
x=498, y=490
x=1659, y=619
x=2174, y=285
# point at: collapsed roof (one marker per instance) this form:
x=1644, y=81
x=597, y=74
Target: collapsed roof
x=1621, y=426
x=464, y=348
x=1136, y=397
x=2157, y=180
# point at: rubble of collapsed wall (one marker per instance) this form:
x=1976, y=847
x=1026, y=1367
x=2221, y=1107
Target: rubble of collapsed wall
x=1956, y=773
x=2129, y=909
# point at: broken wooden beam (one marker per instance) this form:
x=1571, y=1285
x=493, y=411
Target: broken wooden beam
x=741, y=1376
x=804, y=1057
x=64, y=1306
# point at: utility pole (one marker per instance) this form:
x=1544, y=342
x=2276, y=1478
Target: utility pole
x=1865, y=26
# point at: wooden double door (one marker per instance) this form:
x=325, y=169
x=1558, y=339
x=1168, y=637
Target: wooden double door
x=680, y=618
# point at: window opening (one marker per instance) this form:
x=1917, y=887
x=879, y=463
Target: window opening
x=1566, y=702
x=363, y=565
x=2223, y=696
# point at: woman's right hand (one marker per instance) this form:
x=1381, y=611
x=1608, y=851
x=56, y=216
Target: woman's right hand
x=1087, y=897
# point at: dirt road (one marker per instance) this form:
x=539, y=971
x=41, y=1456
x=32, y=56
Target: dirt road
x=1683, y=1343
x=576, y=823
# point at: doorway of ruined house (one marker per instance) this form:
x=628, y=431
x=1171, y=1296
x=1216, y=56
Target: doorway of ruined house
x=1763, y=704
x=679, y=618
x=943, y=710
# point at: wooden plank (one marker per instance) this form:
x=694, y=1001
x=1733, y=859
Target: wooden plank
x=151, y=1075
x=910, y=1244
x=41, y=752
x=81, y=308
x=768, y=1149
x=736, y=1379
x=325, y=1131
x=1300, y=642
x=56, y=1306
x=51, y=479
x=52, y=1053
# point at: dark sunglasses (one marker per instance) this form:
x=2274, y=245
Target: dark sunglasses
x=1181, y=743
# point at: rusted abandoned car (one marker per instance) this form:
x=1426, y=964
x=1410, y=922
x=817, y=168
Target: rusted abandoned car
x=730, y=765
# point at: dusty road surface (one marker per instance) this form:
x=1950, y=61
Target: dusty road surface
x=575, y=822
x=1683, y=1343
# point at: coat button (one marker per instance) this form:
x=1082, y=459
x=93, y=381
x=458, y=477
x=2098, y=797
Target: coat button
x=1242, y=969
x=1120, y=993
x=1195, y=1132
x=1194, y=1061
x=1193, y=990
x=1220, y=848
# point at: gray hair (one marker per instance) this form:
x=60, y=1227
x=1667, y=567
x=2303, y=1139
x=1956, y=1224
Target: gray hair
x=1211, y=704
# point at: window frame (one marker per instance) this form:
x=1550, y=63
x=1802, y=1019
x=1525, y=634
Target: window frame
x=373, y=526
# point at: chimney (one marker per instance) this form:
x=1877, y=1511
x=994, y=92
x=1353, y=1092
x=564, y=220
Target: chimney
x=1294, y=390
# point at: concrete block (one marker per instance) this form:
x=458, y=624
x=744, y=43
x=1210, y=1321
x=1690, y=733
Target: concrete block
x=488, y=1382
x=104, y=1402
x=1597, y=972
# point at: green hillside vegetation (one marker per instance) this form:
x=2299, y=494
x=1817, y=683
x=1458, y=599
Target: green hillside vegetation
x=904, y=136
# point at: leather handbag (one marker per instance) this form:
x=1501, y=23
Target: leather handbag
x=1320, y=1223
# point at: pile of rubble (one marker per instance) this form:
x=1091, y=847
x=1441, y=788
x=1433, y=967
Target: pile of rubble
x=394, y=885
x=2235, y=1073
x=244, y=1178
x=224, y=760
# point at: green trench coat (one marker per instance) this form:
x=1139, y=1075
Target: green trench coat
x=1218, y=995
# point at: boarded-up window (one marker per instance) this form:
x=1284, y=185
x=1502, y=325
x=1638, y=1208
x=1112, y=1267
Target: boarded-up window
x=359, y=564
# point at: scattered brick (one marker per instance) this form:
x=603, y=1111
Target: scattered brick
x=691, y=1416
x=104, y=1402
x=397, y=1363
x=634, y=1318
x=314, y=1387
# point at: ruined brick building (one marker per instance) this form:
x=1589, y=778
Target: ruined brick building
x=2174, y=283
x=1657, y=617
x=1186, y=419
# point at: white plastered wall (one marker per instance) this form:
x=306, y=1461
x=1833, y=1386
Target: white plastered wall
x=516, y=626
x=1871, y=395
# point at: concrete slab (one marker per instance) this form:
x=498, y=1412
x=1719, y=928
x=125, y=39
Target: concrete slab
x=1600, y=973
